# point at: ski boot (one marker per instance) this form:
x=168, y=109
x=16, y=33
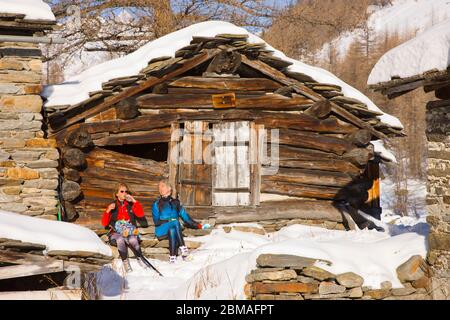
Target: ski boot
x=127, y=266
x=172, y=259
x=185, y=254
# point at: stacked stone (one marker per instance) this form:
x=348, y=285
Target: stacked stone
x=28, y=160
x=438, y=200
x=287, y=277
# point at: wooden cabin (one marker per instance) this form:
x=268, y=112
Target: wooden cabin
x=242, y=138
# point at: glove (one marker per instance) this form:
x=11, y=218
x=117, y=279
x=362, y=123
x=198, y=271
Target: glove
x=206, y=226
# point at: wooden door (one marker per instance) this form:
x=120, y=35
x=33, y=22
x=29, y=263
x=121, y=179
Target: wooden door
x=194, y=170
x=232, y=169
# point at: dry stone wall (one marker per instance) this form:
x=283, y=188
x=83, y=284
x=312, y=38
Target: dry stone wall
x=287, y=277
x=28, y=160
x=438, y=201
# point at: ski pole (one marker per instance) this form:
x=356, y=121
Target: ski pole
x=137, y=254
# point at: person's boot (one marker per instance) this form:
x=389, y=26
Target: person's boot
x=185, y=253
x=127, y=266
x=172, y=259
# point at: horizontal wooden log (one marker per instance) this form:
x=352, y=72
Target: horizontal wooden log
x=139, y=137
x=302, y=190
x=195, y=101
x=312, y=141
x=104, y=158
x=83, y=113
x=305, y=123
x=232, y=84
x=22, y=271
x=273, y=210
x=74, y=158
x=322, y=164
x=438, y=104
x=320, y=109
x=292, y=153
x=312, y=177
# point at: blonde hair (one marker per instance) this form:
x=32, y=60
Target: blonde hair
x=118, y=186
x=167, y=183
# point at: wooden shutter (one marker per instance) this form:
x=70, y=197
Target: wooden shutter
x=194, y=170
x=232, y=174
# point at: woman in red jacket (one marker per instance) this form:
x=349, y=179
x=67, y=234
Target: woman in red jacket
x=123, y=212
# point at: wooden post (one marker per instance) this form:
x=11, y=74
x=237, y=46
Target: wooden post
x=173, y=156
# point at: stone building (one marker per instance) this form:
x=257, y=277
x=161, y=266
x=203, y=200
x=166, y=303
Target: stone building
x=433, y=74
x=28, y=160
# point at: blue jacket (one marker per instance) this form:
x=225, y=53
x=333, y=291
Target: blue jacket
x=169, y=217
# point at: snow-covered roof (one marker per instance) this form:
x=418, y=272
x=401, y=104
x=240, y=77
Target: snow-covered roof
x=76, y=89
x=32, y=9
x=55, y=235
x=428, y=51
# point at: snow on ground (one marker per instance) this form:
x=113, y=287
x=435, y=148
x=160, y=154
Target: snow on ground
x=33, y=9
x=76, y=89
x=220, y=265
x=401, y=18
x=415, y=221
x=55, y=235
x=430, y=50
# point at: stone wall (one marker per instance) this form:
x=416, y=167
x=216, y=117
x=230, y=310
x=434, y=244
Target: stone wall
x=28, y=161
x=438, y=201
x=287, y=277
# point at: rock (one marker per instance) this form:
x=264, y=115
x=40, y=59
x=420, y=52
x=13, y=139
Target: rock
x=330, y=287
x=412, y=269
x=147, y=231
x=23, y=246
x=296, y=287
x=146, y=243
x=284, y=261
x=259, y=270
x=196, y=232
x=49, y=173
x=283, y=275
x=378, y=294
x=151, y=251
x=227, y=229
x=22, y=174
x=424, y=282
x=288, y=297
x=407, y=290
x=260, y=231
x=355, y=293
x=304, y=279
x=265, y=297
x=415, y=296
x=193, y=244
x=42, y=164
x=77, y=254
x=331, y=296
x=41, y=143
x=162, y=244
x=25, y=103
x=318, y=273
x=386, y=285
x=162, y=257
x=8, y=89
x=350, y=280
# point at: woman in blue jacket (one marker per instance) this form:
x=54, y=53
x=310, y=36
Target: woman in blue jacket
x=166, y=212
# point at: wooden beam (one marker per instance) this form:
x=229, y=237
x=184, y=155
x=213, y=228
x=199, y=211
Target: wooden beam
x=231, y=84
x=138, y=137
x=187, y=65
x=21, y=271
x=274, y=102
x=273, y=210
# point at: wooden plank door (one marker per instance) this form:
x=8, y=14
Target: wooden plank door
x=232, y=170
x=194, y=169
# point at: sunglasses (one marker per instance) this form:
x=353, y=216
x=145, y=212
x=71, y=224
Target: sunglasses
x=122, y=191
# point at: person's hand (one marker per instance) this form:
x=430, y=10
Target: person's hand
x=206, y=226
x=130, y=198
x=111, y=207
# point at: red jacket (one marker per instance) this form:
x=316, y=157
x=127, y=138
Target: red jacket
x=122, y=213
